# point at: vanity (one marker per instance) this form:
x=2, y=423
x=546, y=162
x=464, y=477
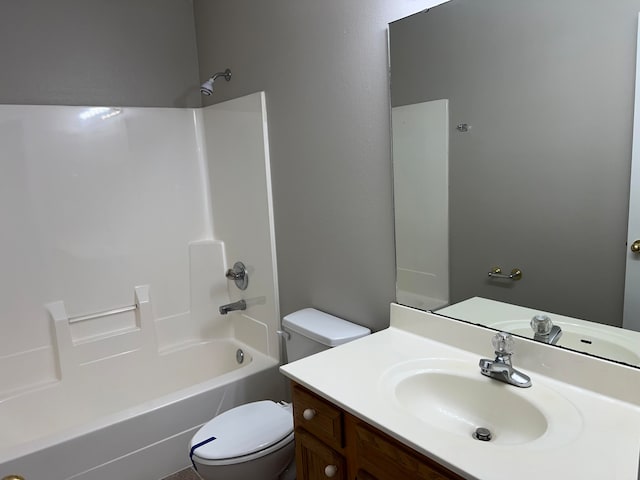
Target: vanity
x=405, y=402
x=332, y=443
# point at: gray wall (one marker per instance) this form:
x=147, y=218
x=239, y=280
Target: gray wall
x=98, y=52
x=541, y=180
x=323, y=65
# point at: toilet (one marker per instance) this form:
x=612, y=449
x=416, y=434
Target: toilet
x=255, y=440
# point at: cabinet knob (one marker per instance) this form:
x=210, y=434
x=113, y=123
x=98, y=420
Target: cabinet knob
x=309, y=413
x=330, y=471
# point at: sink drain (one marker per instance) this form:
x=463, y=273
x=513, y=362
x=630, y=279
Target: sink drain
x=482, y=434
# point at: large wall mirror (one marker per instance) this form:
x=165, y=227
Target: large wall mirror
x=512, y=139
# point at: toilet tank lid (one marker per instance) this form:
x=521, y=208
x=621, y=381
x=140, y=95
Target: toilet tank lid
x=322, y=327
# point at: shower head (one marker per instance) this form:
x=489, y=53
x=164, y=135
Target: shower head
x=207, y=87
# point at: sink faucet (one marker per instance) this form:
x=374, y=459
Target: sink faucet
x=501, y=368
x=232, y=307
x=544, y=330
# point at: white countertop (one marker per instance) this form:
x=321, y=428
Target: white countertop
x=353, y=377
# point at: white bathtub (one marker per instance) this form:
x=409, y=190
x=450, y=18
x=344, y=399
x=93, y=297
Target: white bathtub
x=129, y=423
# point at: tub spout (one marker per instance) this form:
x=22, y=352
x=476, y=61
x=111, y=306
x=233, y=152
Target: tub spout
x=232, y=307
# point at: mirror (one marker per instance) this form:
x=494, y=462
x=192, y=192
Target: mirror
x=525, y=110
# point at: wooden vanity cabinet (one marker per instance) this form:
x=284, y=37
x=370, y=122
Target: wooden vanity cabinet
x=381, y=457
x=331, y=443
x=316, y=461
x=319, y=435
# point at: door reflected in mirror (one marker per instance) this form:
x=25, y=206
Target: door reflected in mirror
x=529, y=123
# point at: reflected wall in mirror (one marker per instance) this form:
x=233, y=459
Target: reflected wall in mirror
x=538, y=125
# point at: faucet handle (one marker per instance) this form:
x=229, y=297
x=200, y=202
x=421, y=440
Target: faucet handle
x=503, y=343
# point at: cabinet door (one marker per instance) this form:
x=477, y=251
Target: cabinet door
x=362, y=475
x=318, y=417
x=316, y=461
x=387, y=459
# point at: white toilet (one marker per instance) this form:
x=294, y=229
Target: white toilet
x=255, y=440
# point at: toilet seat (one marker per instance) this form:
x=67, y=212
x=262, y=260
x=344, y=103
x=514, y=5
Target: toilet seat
x=245, y=458
x=243, y=433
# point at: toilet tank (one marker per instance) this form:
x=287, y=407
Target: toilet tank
x=312, y=331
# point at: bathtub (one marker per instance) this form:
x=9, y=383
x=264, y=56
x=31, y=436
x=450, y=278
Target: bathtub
x=128, y=422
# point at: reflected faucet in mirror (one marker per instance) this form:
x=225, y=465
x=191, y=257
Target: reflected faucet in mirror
x=544, y=330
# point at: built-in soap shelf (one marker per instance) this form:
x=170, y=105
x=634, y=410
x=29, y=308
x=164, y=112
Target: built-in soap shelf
x=88, y=338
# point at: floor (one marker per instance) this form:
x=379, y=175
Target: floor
x=186, y=474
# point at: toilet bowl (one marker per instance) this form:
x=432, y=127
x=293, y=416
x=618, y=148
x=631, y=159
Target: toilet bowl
x=254, y=437
x=255, y=440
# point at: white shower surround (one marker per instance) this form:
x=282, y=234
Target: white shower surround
x=109, y=208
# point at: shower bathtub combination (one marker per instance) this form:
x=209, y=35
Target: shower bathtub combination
x=113, y=351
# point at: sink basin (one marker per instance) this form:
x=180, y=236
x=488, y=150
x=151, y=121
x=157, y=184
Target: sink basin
x=600, y=340
x=460, y=404
x=580, y=335
x=453, y=397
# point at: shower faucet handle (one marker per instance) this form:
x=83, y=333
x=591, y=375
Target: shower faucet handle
x=239, y=275
x=235, y=274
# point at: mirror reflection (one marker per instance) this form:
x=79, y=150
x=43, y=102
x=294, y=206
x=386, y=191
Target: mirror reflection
x=512, y=142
